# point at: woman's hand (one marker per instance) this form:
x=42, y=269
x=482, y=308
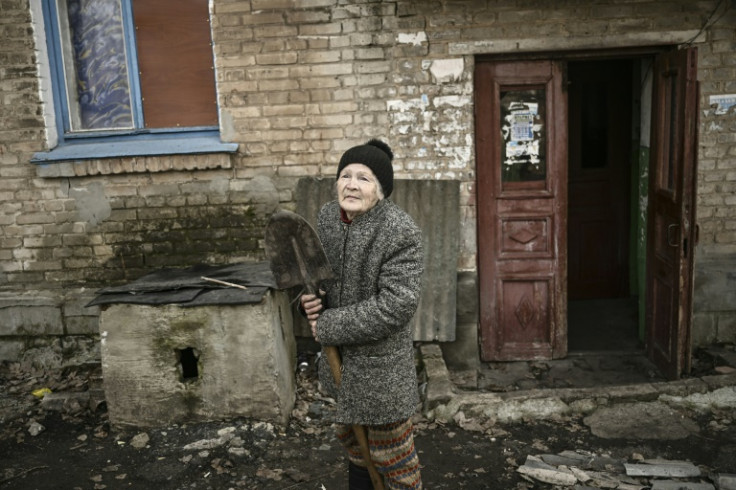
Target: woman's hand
x=312, y=305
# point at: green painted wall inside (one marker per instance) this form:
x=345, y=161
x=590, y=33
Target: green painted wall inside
x=638, y=260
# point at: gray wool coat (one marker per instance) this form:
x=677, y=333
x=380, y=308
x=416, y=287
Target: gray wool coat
x=378, y=264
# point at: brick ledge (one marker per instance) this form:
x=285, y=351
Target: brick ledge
x=149, y=164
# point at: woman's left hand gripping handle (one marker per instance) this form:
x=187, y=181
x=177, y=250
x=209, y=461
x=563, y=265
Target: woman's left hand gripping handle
x=312, y=306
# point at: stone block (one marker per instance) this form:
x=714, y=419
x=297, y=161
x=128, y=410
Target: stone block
x=82, y=325
x=704, y=329
x=467, y=297
x=440, y=389
x=11, y=349
x=165, y=364
x=463, y=353
x=726, y=327
x=727, y=481
x=30, y=314
x=714, y=285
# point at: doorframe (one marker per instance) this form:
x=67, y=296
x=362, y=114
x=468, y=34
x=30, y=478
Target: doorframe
x=646, y=52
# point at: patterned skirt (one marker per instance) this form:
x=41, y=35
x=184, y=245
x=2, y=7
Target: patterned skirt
x=392, y=451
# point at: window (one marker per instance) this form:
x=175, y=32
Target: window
x=131, y=72
x=523, y=133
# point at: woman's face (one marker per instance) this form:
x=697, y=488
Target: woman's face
x=358, y=189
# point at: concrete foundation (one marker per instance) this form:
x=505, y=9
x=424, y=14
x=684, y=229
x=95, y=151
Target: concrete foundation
x=464, y=353
x=714, y=320
x=164, y=364
x=48, y=329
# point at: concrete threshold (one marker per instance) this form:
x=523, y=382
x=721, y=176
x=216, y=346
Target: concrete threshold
x=444, y=402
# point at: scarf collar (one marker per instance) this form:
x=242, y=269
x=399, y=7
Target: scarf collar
x=344, y=217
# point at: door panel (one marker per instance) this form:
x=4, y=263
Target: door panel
x=524, y=316
x=599, y=168
x=671, y=230
x=522, y=176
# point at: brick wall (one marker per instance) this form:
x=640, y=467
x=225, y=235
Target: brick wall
x=299, y=81
x=717, y=155
x=715, y=284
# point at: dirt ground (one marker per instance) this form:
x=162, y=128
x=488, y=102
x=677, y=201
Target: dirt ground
x=76, y=448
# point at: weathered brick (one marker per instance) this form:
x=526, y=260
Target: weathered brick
x=283, y=110
x=321, y=70
x=309, y=57
x=307, y=16
x=289, y=122
x=275, y=31
x=373, y=67
x=263, y=17
x=287, y=58
x=330, y=121
x=310, y=83
x=369, y=53
x=231, y=7
x=43, y=241
x=339, y=107
x=35, y=218
x=320, y=29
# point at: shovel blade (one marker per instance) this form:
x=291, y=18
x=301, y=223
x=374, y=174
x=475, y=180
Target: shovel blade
x=295, y=252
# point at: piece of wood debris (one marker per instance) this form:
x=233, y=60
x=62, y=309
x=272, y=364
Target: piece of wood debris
x=632, y=486
x=581, y=475
x=727, y=481
x=680, y=485
x=539, y=470
x=537, y=462
x=671, y=469
x=601, y=479
x=567, y=458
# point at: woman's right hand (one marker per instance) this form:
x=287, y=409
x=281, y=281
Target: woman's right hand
x=312, y=305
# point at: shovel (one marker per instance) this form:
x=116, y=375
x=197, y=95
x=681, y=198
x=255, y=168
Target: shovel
x=298, y=259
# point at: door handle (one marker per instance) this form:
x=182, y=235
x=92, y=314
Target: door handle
x=670, y=242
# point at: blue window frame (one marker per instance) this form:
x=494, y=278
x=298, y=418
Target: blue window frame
x=96, y=80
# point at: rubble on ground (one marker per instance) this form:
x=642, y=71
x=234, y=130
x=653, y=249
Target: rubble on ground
x=583, y=470
x=252, y=454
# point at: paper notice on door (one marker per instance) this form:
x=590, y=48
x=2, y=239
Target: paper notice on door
x=522, y=122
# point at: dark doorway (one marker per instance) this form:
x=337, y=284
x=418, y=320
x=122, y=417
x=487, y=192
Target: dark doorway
x=602, y=304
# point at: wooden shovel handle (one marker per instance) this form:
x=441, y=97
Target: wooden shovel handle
x=362, y=438
x=333, y=359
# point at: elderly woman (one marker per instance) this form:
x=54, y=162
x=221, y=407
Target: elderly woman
x=375, y=251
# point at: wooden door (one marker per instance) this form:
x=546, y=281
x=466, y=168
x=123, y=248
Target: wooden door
x=671, y=220
x=521, y=144
x=599, y=148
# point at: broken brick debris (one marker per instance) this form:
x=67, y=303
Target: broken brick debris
x=582, y=470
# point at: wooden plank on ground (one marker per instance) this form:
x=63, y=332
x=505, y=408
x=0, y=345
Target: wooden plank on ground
x=670, y=469
x=680, y=485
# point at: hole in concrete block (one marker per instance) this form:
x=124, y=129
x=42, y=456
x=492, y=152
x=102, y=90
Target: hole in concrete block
x=188, y=358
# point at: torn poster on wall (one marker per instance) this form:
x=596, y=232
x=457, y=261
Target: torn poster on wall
x=722, y=103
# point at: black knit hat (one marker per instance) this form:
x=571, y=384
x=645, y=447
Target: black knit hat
x=377, y=156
